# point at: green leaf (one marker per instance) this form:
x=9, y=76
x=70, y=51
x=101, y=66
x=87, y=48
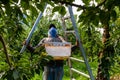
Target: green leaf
x=25, y=21
x=117, y=22
x=104, y=17
x=69, y=1
x=56, y=1
x=8, y=9
x=96, y=20
x=24, y=77
x=5, y=1
x=36, y=0
x=18, y=11
x=113, y=15
x=55, y=9
x=81, y=17
x=117, y=3
x=86, y=1
x=1, y=46
x=101, y=16
x=98, y=1
x=51, y=3
x=33, y=11
x=40, y=6
x=25, y=4
x=15, y=74
x=62, y=10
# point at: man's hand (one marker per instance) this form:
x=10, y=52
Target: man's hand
x=28, y=46
x=25, y=43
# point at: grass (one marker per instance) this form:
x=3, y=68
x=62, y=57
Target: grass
x=114, y=73
x=81, y=67
x=76, y=65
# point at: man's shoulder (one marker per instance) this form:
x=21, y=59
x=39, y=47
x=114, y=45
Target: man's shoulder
x=49, y=39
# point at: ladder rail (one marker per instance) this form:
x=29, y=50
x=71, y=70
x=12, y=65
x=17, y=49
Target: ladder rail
x=79, y=40
x=72, y=58
x=32, y=30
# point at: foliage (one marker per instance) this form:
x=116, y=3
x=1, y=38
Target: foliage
x=17, y=18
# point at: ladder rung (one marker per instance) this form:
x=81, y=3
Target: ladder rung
x=81, y=73
x=64, y=18
x=69, y=31
x=72, y=58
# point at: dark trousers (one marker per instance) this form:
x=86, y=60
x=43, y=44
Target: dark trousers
x=53, y=73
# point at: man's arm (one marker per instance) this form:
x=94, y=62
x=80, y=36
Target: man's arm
x=32, y=49
x=41, y=43
x=61, y=38
x=74, y=47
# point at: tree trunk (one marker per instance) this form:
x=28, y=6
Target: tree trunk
x=104, y=57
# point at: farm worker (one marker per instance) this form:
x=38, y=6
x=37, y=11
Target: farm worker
x=54, y=68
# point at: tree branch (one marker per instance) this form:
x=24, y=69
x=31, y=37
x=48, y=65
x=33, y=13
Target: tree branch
x=101, y=4
x=79, y=6
x=69, y=3
x=5, y=50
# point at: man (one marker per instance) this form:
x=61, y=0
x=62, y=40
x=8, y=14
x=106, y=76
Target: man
x=54, y=68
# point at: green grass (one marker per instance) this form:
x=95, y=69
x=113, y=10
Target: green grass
x=77, y=65
x=37, y=77
x=80, y=67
